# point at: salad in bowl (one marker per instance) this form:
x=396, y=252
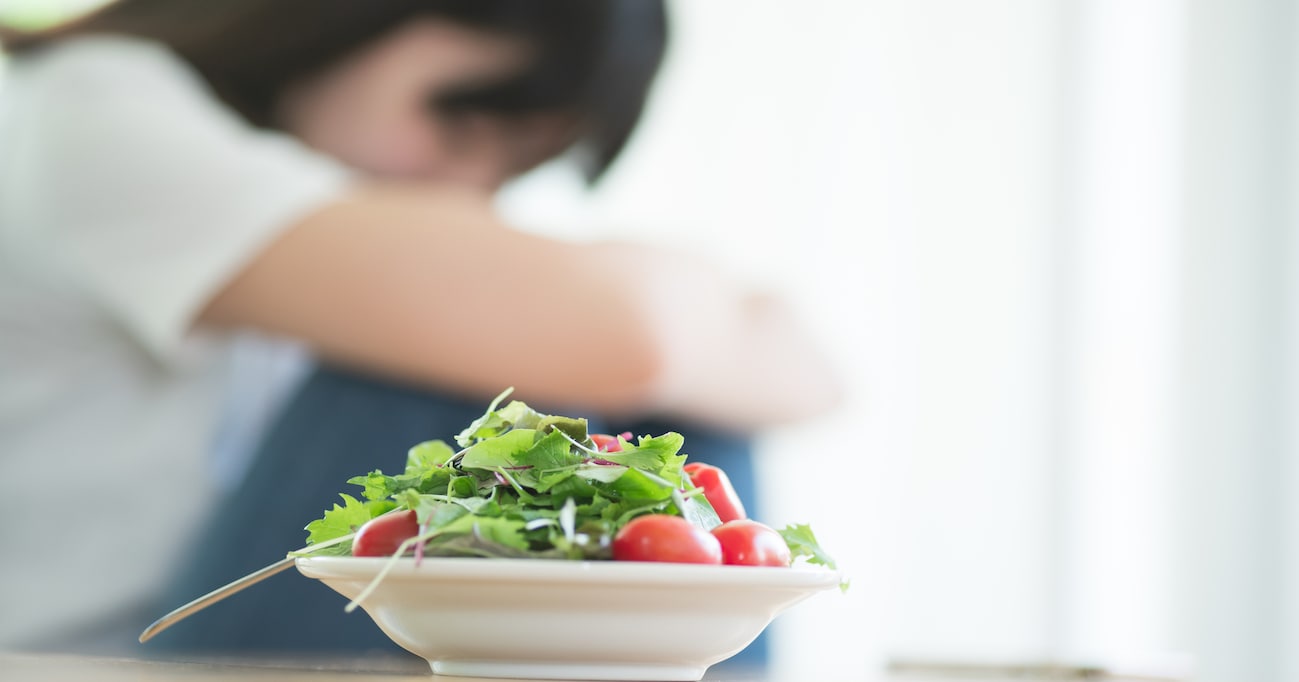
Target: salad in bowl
x=534, y=548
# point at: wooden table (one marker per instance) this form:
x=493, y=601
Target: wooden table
x=37, y=667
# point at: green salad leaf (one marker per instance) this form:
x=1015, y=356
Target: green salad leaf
x=428, y=455
x=802, y=543
x=345, y=520
x=529, y=485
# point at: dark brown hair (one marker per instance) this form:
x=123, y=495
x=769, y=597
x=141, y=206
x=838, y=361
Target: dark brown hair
x=593, y=58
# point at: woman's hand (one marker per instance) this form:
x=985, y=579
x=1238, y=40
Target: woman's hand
x=730, y=356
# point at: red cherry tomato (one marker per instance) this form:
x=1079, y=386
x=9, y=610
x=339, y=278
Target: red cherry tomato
x=606, y=443
x=661, y=537
x=381, y=535
x=718, y=490
x=749, y=543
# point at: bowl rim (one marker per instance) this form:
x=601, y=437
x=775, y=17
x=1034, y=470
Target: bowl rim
x=556, y=571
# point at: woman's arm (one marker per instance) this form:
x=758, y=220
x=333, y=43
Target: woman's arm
x=430, y=287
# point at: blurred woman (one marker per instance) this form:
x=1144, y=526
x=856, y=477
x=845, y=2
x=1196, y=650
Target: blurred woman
x=320, y=172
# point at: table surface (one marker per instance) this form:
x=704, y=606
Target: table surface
x=57, y=666
x=44, y=666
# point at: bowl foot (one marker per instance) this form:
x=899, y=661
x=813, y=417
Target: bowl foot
x=549, y=670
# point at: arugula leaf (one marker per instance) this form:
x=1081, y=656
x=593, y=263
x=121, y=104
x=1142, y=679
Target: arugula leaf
x=696, y=510
x=601, y=473
x=592, y=510
x=550, y=453
x=499, y=531
x=346, y=519
x=377, y=486
x=472, y=544
x=566, y=485
x=432, y=513
x=637, y=487
x=802, y=543
x=496, y=422
x=430, y=454
x=656, y=454
x=499, y=451
x=575, y=427
x=502, y=531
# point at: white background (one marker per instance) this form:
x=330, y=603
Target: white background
x=1051, y=245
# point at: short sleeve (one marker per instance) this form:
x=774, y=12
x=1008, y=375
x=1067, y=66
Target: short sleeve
x=138, y=185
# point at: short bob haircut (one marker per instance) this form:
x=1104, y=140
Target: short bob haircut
x=594, y=59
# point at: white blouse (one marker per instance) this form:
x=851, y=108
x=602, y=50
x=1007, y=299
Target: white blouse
x=128, y=196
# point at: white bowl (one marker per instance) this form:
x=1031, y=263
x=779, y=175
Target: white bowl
x=575, y=620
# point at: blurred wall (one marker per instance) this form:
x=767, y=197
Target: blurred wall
x=1052, y=246
x=893, y=167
